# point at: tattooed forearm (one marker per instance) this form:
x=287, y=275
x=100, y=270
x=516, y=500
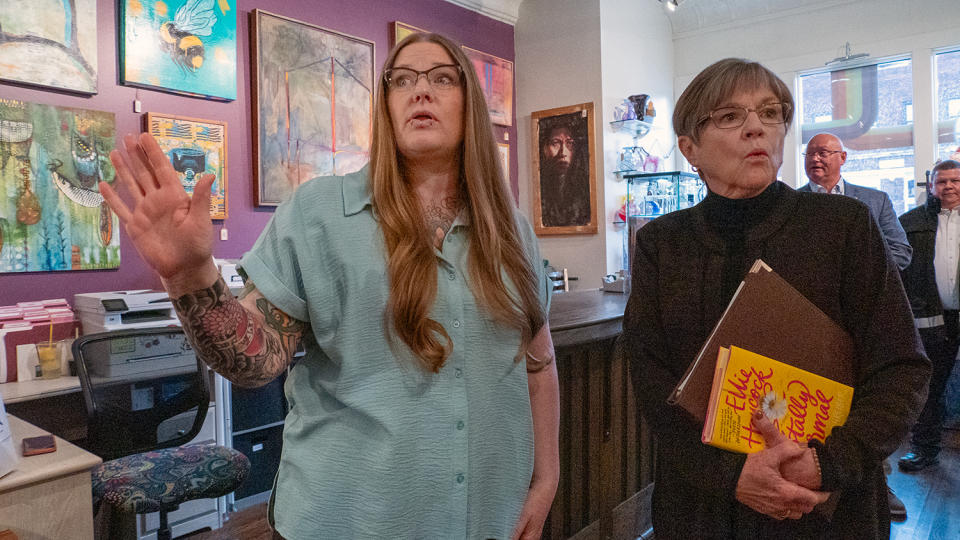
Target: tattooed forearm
x=233, y=341
x=289, y=329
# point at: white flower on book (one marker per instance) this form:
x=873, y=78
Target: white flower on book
x=773, y=408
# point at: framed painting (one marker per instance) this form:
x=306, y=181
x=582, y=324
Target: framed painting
x=195, y=147
x=496, y=81
x=504, y=149
x=52, y=216
x=564, y=171
x=312, y=104
x=402, y=30
x=186, y=47
x=49, y=43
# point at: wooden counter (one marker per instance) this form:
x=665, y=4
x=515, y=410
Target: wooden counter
x=48, y=496
x=605, y=455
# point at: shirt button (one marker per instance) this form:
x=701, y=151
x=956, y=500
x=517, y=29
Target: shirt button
x=456, y=323
x=460, y=424
x=458, y=372
x=451, y=276
x=460, y=478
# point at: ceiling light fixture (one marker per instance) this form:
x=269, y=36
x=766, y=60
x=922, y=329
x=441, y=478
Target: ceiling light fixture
x=671, y=5
x=847, y=57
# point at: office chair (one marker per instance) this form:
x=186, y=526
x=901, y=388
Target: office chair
x=146, y=395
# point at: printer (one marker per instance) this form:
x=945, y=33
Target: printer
x=129, y=356
x=120, y=310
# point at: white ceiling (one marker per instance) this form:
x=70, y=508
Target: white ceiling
x=692, y=16
x=695, y=16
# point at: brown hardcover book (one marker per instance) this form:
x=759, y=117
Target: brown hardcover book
x=771, y=318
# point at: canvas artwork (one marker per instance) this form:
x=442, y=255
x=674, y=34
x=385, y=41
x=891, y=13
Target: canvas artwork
x=183, y=46
x=313, y=102
x=195, y=147
x=504, y=150
x=402, y=30
x=564, y=172
x=496, y=81
x=49, y=43
x=52, y=216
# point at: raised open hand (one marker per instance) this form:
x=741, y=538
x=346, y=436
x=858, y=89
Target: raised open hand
x=171, y=231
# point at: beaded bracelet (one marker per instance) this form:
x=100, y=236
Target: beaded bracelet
x=816, y=461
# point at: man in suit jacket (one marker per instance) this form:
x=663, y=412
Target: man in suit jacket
x=822, y=162
x=823, y=159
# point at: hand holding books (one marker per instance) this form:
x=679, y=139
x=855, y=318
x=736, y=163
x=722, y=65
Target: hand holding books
x=771, y=482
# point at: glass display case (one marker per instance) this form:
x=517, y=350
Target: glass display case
x=651, y=195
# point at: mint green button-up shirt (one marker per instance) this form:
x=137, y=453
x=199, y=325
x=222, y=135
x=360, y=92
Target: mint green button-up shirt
x=374, y=446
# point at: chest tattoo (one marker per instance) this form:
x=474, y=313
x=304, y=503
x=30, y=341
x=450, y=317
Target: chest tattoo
x=439, y=215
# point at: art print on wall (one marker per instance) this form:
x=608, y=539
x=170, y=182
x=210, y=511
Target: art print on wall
x=496, y=81
x=504, y=152
x=195, y=147
x=49, y=43
x=402, y=30
x=564, y=173
x=184, y=46
x=312, y=104
x=52, y=216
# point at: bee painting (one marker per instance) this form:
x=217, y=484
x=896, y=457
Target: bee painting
x=181, y=36
x=183, y=46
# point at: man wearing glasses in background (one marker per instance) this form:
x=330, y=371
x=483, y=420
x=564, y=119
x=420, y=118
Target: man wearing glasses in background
x=822, y=162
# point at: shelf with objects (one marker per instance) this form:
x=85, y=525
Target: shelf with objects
x=654, y=194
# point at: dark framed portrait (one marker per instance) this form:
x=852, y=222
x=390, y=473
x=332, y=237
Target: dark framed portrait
x=564, y=173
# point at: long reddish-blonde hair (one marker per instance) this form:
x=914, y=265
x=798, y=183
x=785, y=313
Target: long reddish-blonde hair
x=496, y=248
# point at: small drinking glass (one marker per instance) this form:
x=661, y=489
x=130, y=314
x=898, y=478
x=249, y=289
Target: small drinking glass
x=49, y=355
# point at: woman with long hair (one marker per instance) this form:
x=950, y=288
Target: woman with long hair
x=426, y=403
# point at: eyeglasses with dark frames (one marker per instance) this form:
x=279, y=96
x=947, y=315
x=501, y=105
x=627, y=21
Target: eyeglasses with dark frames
x=821, y=154
x=770, y=114
x=441, y=77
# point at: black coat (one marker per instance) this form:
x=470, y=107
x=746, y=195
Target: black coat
x=831, y=250
x=920, y=278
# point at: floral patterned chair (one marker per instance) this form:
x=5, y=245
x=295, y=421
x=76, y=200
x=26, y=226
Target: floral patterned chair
x=147, y=396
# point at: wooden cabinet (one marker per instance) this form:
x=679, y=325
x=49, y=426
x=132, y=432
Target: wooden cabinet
x=606, y=455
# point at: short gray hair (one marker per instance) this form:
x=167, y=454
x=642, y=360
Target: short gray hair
x=717, y=83
x=943, y=165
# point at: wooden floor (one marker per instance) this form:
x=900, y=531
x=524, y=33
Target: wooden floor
x=932, y=498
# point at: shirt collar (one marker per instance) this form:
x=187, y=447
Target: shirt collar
x=356, y=196
x=838, y=189
x=356, y=191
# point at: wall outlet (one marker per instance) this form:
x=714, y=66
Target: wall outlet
x=136, y=105
x=223, y=234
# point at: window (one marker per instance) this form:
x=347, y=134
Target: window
x=946, y=67
x=870, y=108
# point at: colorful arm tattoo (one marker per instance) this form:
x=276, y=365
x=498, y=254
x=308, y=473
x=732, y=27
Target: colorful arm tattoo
x=249, y=349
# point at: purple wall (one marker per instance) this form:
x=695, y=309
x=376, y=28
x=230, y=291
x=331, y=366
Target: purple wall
x=368, y=19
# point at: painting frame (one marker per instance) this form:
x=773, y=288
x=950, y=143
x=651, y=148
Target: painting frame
x=52, y=215
x=402, y=30
x=163, y=57
x=39, y=50
x=153, y=124
x=497, y=82
x=560, y=205
x=296, y=170
x=503, y=150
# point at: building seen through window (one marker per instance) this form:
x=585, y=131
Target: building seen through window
x=870, y=108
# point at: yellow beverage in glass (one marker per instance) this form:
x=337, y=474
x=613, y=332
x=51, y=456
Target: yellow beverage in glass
x=49, y=356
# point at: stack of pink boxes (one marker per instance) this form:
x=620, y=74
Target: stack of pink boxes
x=31, y=322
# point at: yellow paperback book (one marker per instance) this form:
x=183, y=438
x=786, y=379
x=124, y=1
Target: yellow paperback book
x=801, y=404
